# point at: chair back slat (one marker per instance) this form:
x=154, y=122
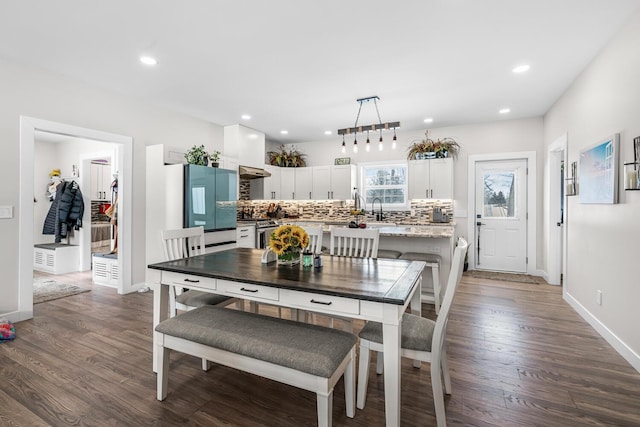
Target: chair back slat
x=452, y=284
x=183, y=242
x=354, y=242
x=315, y=239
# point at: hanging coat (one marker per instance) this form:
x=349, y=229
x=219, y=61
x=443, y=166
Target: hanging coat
x=70, y=210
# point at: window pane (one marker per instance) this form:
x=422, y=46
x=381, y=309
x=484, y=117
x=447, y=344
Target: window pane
x=388, y=183
x=499, y=194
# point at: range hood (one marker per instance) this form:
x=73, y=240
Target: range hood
x=249, y=172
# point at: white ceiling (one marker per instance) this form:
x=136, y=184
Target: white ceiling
x=301, y=65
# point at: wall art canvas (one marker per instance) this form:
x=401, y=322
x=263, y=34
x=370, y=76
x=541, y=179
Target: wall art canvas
x=599, y=172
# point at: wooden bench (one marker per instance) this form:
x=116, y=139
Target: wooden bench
x=303, y=355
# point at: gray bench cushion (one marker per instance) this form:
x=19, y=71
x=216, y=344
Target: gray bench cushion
x=421, y=256
x=301, y=346
x=199, y=298
x=387, y=253
x=416, y=332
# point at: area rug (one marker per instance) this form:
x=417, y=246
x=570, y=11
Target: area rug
x=508, y=277
x=47, y=290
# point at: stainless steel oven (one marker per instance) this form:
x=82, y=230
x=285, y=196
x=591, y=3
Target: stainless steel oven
x=263, y=231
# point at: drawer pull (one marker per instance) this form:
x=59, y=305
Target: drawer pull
x=249, y=290
x=321, y=302
x=192, y=281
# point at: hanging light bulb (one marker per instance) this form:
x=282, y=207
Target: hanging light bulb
x=355, y=144
x=380, y=147
x=344, y=146
x=368, y=146
x=394, y=144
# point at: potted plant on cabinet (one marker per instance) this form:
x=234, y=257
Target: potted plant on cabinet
x=215, y=158
x=197, y=156
x=428, y=148
x=287, y=158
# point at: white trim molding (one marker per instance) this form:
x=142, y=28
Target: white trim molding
x=623, y=349
x=28, y=127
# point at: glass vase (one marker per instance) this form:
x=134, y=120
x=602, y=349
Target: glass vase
x=289, y=258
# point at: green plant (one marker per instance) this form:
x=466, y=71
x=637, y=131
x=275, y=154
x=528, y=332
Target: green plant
x=215, y=156
x=441, y=147
x=287, y=158
x=197, y=156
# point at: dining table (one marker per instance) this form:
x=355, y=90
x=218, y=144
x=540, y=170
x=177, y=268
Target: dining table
x=368, y=289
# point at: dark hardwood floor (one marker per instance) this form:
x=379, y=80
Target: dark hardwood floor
x=518, y=356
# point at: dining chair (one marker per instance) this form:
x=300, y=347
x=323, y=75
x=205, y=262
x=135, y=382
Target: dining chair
x=315, y=238
x=354, y=242
x=422, y=340
x=184, y=243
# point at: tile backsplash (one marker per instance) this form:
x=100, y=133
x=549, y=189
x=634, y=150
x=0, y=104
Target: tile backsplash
x=339, y=211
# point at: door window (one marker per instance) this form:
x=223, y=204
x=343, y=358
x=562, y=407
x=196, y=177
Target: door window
x=499, y=194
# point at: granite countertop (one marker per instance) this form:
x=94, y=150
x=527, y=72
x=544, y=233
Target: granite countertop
x=436, y=230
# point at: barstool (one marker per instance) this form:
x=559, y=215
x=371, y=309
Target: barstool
x=433, y=261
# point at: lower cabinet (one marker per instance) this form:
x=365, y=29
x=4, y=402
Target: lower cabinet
x=246, y=236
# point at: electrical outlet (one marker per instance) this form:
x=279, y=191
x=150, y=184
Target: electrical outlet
x=331, y=211
x=599, y=297
x=6, y=212
x=413, y=212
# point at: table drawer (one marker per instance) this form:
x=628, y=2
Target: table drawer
x=188, y=280
x=249, y=291
x=319, y=302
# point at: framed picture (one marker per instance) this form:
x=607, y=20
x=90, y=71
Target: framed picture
x=343, y=161
x=598, y=175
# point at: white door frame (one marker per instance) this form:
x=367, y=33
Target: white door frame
x=532, y=207
x=555, y=236
x=28, y=127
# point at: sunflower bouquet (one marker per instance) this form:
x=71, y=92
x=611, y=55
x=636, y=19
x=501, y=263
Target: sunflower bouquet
x=287, y=241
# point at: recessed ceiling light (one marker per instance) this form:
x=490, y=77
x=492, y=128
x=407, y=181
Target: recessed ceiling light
x=252, y=136
x=284, y=132
x=428, y=120
x=505, y=110
x=245, y=117
x=148, y=60
x=327, y=132
x=521, y=68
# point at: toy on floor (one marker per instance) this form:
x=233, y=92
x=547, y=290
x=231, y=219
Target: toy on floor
x=7, y=330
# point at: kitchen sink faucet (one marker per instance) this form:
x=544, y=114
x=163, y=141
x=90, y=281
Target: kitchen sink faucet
x=379, y=215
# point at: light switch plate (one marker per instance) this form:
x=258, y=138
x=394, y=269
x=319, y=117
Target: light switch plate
x=6, y=212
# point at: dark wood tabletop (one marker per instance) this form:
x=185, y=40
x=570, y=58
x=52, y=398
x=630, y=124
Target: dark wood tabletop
x=381, y=280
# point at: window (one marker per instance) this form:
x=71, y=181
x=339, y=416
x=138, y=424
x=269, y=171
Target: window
x=386, y=182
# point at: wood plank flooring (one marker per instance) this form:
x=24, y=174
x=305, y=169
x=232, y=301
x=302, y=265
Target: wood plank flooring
x=519, y=356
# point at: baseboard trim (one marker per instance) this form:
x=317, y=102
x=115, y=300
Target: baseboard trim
x=623, y=349
x=17, y=316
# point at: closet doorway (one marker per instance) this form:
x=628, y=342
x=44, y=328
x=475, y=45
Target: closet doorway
x=123, y=157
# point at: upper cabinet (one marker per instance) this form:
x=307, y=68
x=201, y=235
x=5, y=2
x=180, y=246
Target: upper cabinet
x=333, y=182
x=303, y=187
x=431, y=179
x=100, y=181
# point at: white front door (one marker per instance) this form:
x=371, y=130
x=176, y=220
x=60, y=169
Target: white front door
x=501, y=215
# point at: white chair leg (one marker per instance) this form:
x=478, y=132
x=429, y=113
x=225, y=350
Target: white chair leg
x=350, y=385
x=438, y=395
x=445, y=371
x=162, y=360
x=363, y=374
x=206, y=365
x=325, y=409
x=379, y=362
x=172, y=301
x=435, y=275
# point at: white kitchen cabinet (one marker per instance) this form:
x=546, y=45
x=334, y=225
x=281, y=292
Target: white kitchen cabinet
x=226, y=162
x=246, y=236
x=431, y=179
x=303, y=183
x=272, y=183
x=287, y=183
x=100, y=181
x=334, y=182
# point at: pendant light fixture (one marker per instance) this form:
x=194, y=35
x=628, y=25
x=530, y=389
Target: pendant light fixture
x=372, y=127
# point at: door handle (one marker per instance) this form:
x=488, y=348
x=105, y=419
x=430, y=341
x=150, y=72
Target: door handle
x=559, y=224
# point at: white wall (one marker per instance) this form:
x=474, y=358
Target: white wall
x=603, y=239
x=34, y=93
x=503, y=136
